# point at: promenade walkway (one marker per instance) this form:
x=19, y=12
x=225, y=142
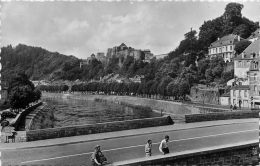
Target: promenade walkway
x=118, y=134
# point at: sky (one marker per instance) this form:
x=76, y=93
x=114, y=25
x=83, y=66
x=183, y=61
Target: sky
x=82, y=28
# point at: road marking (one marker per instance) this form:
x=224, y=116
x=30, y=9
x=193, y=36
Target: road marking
x=53, y=158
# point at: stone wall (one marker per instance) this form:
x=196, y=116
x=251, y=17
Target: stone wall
x=42, y=118
x=22, y=115
x=237, y=155
x=221, y=116
x=208, y=95
x=33, y=135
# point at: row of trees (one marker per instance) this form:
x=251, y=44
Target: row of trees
x=151, y=89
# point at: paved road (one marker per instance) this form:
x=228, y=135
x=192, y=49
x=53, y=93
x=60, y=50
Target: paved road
x=131, y=147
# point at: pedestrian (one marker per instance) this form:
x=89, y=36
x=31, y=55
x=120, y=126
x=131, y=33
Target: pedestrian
x=231, y=107
x=164, y=145
x=148, y=148
x=97, y=157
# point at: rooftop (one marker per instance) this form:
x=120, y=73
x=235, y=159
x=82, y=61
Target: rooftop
x=226, y=40
x=252, y=48
x=254, y=34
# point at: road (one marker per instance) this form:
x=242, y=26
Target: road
x=119, y=149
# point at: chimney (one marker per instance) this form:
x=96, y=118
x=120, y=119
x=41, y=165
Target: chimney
x=243, y=55
x=238, y=38
x=218, y=38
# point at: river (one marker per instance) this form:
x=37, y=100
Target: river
x=79, y=112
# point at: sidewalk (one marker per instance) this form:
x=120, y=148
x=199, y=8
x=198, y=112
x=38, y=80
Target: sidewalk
x=125, y=133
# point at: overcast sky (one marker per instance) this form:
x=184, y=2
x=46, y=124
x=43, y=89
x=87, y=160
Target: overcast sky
x=83, y=28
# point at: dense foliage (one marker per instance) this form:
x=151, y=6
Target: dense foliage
x=22, y=92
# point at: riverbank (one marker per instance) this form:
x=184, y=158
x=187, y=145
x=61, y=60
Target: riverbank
x=168, y=107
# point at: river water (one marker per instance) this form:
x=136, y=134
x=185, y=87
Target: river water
x=79, y=112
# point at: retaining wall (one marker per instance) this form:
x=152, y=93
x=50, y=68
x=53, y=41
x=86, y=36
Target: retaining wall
x=42, y=118
x=221, y=116
x=22, y=115
x=246, y=154
x=51, y=133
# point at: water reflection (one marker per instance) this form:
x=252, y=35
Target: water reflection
x=78, y=112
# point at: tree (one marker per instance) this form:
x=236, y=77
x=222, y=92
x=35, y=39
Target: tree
x=162, y=87
x=184, y=89
x=241, y=46
x=22, y=91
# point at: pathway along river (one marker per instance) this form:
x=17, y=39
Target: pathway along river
x=79, y=112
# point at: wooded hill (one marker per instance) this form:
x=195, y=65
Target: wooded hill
x=179, y=65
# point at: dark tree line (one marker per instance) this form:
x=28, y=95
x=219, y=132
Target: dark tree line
x=167, y=88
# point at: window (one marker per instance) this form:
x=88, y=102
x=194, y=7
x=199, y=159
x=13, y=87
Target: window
x=255, y=88
x=234, y=93
x=230, y=48
x=255, y=77
x=219, y=50
x=239, y=64
x=245, y=93
x=239, y=93
x=256, y=65
x=248, y=63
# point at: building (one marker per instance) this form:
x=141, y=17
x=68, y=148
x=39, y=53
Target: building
x=224, y=47
x=245, y=88
x=161, y=56
x=101, y=57
x=254, y=82
x=123, y=51
x=224, y=99
x=242, y=62
x=147, y=55
x=254, y=36
x=137, y=79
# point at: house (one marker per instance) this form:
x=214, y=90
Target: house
x=242, y=62
x=254, y=36
x=137, y=78
x=224, y=47
x=224, y=99
x=254, y=82
x=245, y=89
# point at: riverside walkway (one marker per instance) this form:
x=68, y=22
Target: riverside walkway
x=127, y=146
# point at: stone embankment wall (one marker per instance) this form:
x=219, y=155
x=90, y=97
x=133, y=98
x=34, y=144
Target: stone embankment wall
x=42, y=118
x=208, y=95
x=17, y=121
x=221, y=116
x=33, y=135
x=237, y=155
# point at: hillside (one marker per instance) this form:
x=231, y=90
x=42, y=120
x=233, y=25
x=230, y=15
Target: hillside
x=36, y=62
x=186, y=63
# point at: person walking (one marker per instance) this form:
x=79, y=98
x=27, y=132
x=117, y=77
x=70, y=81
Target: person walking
x=148, y=148
x=164, y=145
x=97, y=157
x=231, y=107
